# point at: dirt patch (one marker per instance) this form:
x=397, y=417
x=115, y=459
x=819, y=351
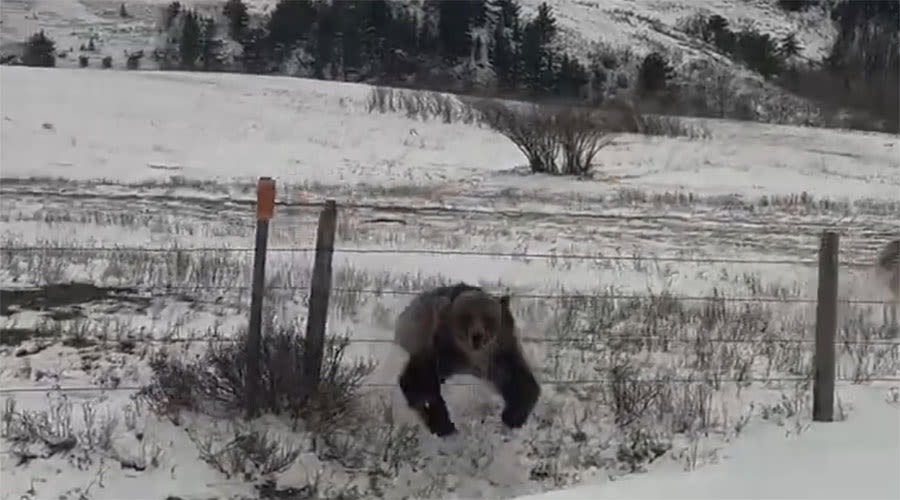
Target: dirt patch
x=62, y=299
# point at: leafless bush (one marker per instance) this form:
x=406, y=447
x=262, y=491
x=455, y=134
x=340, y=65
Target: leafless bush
x=580, y=138
x=248, y=455
x=133, y=60
x=531, y=130
x=381, y=99
x=670, y=126
x=642, y=446
x=545, y=134
x=216, y=380
x=420, y=104
x=50, y=432
x=631, y=399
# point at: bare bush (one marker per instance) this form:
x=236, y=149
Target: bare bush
x=531, y=130
x=580, y=138
x=420, y=104
x=46, y=433
x=248, y=455
x=215, y=381
x=671, y=126
x=555, y=140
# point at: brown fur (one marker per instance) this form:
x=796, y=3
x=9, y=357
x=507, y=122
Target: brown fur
x=462, y=329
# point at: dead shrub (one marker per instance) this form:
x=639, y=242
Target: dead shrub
x=670, y=126
x=214, y=382
x=580, y=138
x=248, y=455
x=531, y=130
x=555, y=140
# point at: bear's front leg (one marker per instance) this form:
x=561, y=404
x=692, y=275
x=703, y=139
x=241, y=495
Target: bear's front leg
x=421, y=387
x=518, y=387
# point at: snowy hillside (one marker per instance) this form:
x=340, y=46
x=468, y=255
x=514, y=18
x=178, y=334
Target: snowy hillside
x=646, y=24
x=666, y=305
x=640, y=25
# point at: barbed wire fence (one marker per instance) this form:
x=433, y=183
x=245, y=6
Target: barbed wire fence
x=320, y=290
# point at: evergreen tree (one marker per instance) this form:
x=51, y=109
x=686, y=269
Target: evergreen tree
x=256, y=53
x=503, y=58
x=290, y=23
x=571, y=77
x=238, y=18
x=210, y=46
x=654, y=74
x=39, y=51
x=350, y=32
x=172, y=11
x=537, y=53
x=789, y=46
x=456, y=18
x=325, y=38
x=189, y=46
x=759, y=52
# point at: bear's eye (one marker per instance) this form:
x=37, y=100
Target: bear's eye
x=490, y=323
x=464, y=319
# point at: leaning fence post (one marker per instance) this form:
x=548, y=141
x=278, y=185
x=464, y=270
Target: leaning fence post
x=826, y=328
x=265, y=206
x=320, y=289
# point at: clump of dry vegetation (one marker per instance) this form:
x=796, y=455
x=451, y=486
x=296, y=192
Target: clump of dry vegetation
x=215, y=382
x=555, y=139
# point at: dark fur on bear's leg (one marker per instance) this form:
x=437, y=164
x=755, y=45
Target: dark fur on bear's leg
x=518, y=387
x=421, y=386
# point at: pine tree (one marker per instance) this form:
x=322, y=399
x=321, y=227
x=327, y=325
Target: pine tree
x=189, y=46
x=454, y=35
x=503, y=58
x=172, y=11
x=789, y=47
x=351, y=36
x=291, y=21
x=326, y=33
x=571, y=77
x=654, y=73
x=537, y=53
x=39, y=51
x=238, y=18
x=255, y=55
x=210, y=46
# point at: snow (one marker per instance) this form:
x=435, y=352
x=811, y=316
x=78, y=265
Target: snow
x=135, y=127
x=144, y=159
x=644, y=24
x=857, y=458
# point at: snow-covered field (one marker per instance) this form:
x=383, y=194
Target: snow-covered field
x=148, y=160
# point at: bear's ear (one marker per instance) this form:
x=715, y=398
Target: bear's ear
x=504, y=301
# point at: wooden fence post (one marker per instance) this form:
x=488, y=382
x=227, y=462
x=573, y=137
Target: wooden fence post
x=826, y=329
x=320, y=290
x=265, y=206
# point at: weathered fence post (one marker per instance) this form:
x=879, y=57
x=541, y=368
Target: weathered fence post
x=320, y=290
x=826, y=328
x=265, y=206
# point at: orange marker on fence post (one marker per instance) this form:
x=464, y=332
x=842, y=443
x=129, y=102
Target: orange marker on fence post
x=265, y=207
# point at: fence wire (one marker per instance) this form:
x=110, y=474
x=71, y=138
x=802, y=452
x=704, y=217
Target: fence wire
x=441, y=252
x=591, y=339
x=530, y=296
x=564, y=382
